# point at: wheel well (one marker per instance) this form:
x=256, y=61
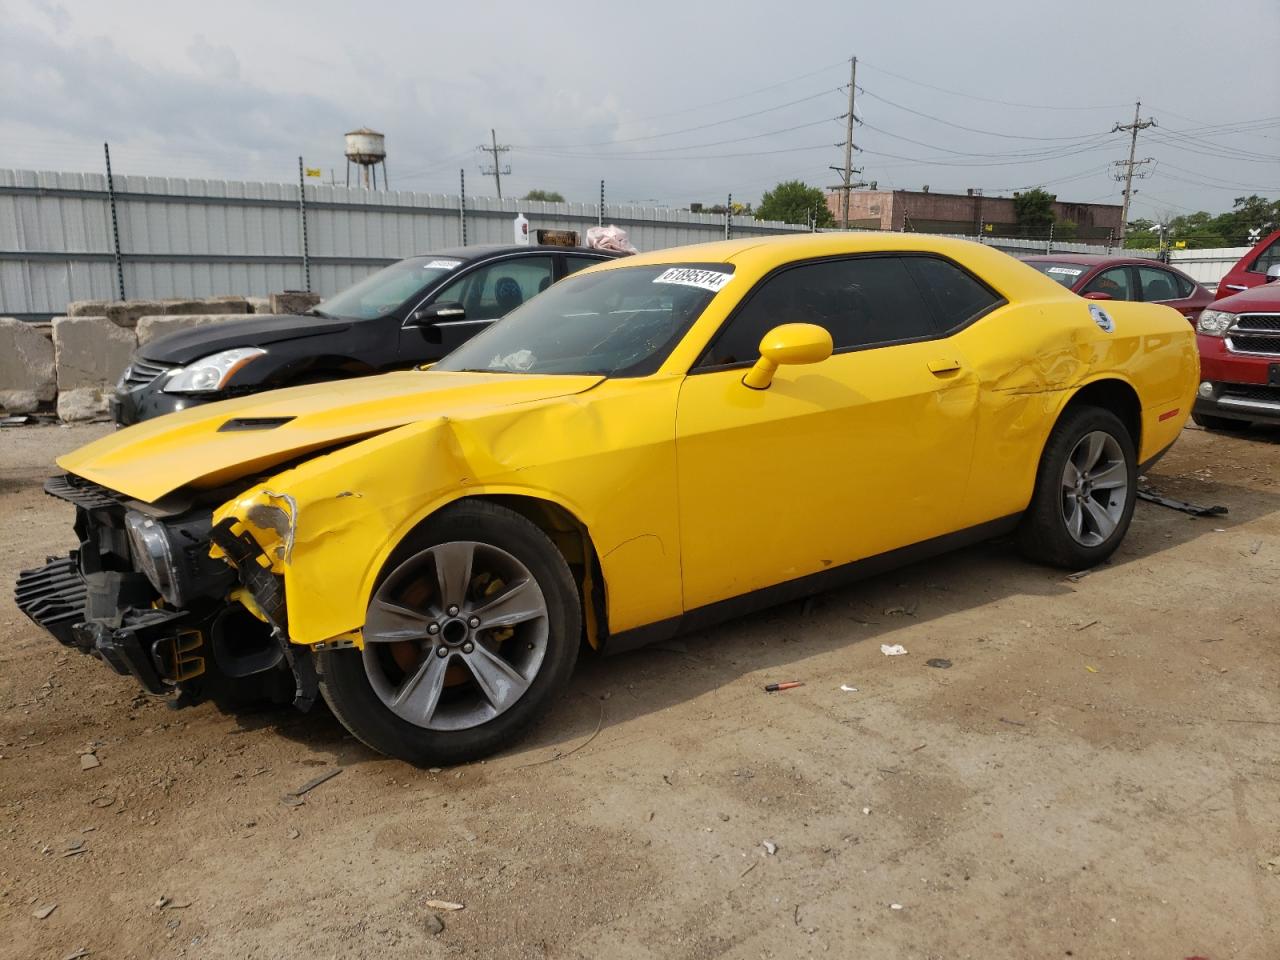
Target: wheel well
x=573, y=540
x=1117, y=397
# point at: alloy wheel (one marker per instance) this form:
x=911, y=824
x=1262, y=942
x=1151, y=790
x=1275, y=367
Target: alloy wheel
x=455, y=635
x=1095, y=488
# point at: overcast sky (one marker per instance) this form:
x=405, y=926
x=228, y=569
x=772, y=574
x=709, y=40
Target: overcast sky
x=653, y=96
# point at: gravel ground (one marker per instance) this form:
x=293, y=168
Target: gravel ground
x=1097, y=775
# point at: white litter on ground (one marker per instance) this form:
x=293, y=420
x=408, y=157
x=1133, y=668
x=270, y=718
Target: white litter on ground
x=893, y=649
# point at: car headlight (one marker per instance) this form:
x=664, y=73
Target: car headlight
x=1214, y=323
x=153, y=553
x=211, y=373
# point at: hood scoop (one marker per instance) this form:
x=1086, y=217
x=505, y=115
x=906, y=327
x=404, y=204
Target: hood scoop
x=254, y=423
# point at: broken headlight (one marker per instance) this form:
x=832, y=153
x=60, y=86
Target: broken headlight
x=153, y=553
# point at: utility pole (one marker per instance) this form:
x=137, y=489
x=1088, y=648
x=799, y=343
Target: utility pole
x=1131, y=164
x=847, y=171
x=498, y=169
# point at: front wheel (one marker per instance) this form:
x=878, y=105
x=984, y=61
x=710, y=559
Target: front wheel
x=473, y=630
x=1085, y=492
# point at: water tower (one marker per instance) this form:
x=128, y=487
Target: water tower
x=368, y=149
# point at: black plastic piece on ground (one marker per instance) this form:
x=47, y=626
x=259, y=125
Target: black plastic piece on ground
x=1195, y=509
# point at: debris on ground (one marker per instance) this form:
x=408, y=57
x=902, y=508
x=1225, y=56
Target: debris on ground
x=1195, y=509
x=294, y=799
x=895, y=906
x=77, y=954
x=893, y=649
x=941, y=663
x=770, y=848
x=435, y=926
x=42, y=912
x=162, y=902
x=785, y=685
x=294, y=834
x=88, y=761
x=845, y=688
x=1078, y=575
x=444, y=905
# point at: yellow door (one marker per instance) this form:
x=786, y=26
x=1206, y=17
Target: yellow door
x=862, y=453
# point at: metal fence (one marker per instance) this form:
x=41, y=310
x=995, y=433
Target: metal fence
x=64, y=236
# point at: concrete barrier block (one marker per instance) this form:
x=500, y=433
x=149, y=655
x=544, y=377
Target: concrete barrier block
x=126, y=313
x=152, y=328
x=87, y=308
x=27, y=376
x=227, y=304
x=223, y=305
x=259, y=304
x=90, y=353
x=293, y=301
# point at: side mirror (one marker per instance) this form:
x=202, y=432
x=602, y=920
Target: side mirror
x=788, y=343
x=1273, y=272
x=1097, y=295
x=434, y=312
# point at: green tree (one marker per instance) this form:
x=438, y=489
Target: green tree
x=550, y=196
x=794, y=201
x=1033, y=211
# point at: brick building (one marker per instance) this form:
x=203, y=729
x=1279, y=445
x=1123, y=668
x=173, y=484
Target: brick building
x=963, y=213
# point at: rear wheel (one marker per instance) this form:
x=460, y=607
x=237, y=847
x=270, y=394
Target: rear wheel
x=1225, y=424
x=468, y=637
x=1085, y=492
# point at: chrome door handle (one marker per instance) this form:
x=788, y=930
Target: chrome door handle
x=1235, y=286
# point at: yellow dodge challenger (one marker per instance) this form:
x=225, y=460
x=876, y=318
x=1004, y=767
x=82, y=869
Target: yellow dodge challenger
x=650, y=446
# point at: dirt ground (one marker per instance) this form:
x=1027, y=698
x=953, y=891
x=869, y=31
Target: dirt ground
x=1097, y=775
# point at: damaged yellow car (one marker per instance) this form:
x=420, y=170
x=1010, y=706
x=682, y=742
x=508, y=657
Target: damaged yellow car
x=649, y=446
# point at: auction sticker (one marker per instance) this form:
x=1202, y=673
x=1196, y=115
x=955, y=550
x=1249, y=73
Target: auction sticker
x=441, y=264
x=1068, y=271
x=1102, y=318
x=712, y=280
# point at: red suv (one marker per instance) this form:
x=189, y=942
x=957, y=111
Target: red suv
x=1096, y=277
x=1239, y=342
x=1255, y=268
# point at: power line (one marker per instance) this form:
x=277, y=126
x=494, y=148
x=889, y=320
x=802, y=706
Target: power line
x=641, y=154
x=1007, y=103
x=960, y=126
x=672, y=133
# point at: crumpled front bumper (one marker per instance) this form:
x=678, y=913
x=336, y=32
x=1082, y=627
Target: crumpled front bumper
x=155, y=647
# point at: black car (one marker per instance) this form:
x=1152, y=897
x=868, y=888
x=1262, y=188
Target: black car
x=412, y=312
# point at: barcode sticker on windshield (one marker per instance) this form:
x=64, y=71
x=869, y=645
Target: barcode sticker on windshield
x=712, y=280
x=441, y=264
x=1069, y=271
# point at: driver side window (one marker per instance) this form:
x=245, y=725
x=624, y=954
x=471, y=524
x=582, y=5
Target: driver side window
x=1114, y=282
x=495, y=290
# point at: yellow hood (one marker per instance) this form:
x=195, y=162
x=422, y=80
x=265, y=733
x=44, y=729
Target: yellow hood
x=210, y=445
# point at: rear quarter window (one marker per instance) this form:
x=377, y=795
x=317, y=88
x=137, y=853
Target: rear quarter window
x=957, y=297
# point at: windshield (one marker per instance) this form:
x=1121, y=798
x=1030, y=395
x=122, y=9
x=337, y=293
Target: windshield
x=380, y=293
x=1065, y=273
x=620, y=322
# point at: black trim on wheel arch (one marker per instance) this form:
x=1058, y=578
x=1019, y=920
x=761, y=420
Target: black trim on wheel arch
x=701, y=617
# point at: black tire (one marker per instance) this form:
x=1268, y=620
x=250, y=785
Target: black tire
x=346, y=686
x=1043, y=534
x=1223, y=424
